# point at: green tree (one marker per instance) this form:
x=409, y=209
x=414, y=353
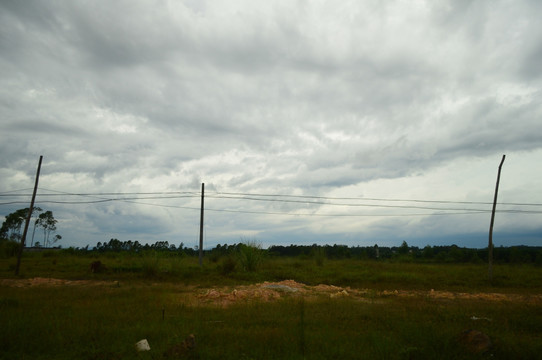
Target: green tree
x=35, y=210
x=48, y=223
x=56, y=238
x=404, y=249
x=12, y=225
x=428, y=252
x=114, y=245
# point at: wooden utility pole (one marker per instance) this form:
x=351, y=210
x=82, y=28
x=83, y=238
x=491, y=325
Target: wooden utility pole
x=201, y=226
x=29, y=216
x=490, y=246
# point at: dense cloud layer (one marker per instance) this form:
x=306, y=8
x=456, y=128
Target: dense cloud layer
x=415, y=100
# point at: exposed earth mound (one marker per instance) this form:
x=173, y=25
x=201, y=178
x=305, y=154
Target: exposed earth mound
x=272, y=291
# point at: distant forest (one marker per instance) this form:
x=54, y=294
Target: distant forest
x=446, y=254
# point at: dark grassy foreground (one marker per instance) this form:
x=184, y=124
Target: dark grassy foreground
x=103, y=321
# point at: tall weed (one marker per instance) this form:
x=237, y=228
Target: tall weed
x=250, y=255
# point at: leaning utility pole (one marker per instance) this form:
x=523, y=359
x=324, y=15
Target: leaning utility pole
x=201, y=226
x=490, y=246
x=25, y=231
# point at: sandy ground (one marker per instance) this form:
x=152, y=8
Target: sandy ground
x=272, y=291
x=269, y=291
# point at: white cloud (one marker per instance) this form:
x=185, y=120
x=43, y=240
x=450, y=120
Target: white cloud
x=286, y=97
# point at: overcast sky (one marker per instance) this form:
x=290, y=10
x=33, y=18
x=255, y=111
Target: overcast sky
x=348, y=103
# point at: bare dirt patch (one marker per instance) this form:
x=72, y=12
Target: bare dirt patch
x=270, y=291
x=266, y=291
x=273, y=291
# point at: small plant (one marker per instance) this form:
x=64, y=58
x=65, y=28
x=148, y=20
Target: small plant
x=250, y=255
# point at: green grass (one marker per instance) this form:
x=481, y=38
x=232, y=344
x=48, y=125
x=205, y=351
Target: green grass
x=104, y=321
x=348, y=272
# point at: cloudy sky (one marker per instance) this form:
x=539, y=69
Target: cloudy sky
x=350, y=122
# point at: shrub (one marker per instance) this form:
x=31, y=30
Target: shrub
x=214, y=257
x=250, y=255
x=8, y=249
x=228, y=265
x=97, y=267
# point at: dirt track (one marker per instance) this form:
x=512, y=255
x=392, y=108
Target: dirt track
x=271, y=291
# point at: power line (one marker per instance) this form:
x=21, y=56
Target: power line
x=378, y=199
x=370, y=205
x=12, y=191
x=458, y=212
x=135, y=197
x=231, y=195
x=449, y=211
x=64, y=193
x=336, y=215
x=345, y=204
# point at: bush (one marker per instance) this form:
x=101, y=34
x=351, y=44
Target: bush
x=214, y=257
x=97, y=267
x=229, y=264
x=250, y=255
x=8, y=248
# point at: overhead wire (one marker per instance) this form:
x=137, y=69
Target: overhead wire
x=135, y=197
x=344, y=204
x=178, y=194
x=378, y=199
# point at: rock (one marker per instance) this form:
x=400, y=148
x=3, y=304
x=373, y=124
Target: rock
x=280, y=287
x=142, y=345
x=474, y=318
x=475, y=341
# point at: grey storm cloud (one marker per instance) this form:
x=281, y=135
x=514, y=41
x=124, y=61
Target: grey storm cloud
x=282, y=97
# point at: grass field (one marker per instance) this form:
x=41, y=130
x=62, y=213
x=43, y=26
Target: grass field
x=154, y=297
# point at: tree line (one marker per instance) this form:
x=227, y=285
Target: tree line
x=130, y=246
x=404, y=252
x=448, y=253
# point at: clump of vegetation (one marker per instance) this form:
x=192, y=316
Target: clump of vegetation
x=250, y=255
x=8, y=248
x=229, y=264
x=319, y=255
x=97, y=267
